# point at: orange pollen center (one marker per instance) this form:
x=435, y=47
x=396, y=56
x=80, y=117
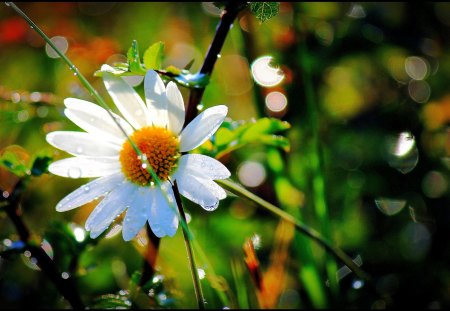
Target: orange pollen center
x=158, y=145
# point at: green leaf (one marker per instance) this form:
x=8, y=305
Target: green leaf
x=154, y=55
x=234, y=135
x=224, y=136
x=134, y=61
x=264, y=126
x=189, y=65
x=264, y=10
x=111, y=301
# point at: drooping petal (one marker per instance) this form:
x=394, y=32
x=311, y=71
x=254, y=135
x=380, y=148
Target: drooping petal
x=96, y=120
x=202, y=127
x=109, y=208
x=88, y=192
x=162, y=215
x=84, y=167
x=204, y=192
x=175, y=108
x=137, y=213
x=203, y=166
x=155, y=97
x=127, y=100
x=82, y=144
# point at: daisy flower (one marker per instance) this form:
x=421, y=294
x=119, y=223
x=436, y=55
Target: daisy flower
x=123, y=183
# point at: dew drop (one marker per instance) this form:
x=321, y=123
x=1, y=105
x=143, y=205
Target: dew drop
x=86, y=189
x=219, y=56
x=5, y=194
x=74, y=172
x=8, y=4
x=75, y=74
x=144, y=165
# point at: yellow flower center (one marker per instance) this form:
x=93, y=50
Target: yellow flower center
x=159, y=146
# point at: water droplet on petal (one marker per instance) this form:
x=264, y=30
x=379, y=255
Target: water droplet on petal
x=74, y=172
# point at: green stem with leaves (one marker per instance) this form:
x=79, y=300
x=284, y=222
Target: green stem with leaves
x=311, y=233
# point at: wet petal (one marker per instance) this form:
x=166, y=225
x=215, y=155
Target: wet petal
x=90, y=191
x=137, y=213
x=204, y=192
x=81, y=143
x=96, y=120
x=203, y=166
x=202, y=127
x=84, y=167
x=155, y=98
x=109, y=208
x=162, y=215
x=127, y=100
x=175, y=108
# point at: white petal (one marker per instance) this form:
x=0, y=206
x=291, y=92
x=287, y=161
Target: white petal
x=96, y=120
x=127, y=100
x=83, y=167
x=109, y=208
x=137, y=213
x=155, y=98
x=204, y=192
x=202, y=127
x=82, y=143
x=203, y=166
x=163, y=216
x=90, y=191
x=175, y=108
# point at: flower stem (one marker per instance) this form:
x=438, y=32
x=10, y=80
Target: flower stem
x=67, y=286
x=311, y=233
x=187, y=240
x=226, y=22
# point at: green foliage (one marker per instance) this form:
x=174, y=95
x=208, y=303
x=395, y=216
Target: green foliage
x=154, y=55
x=111, y=301
x=15, y=160
x=134, y=61
x=234, y=135
x=153, y=58
x=264, y=10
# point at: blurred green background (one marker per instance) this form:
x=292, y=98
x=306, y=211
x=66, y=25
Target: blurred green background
x=365, y=89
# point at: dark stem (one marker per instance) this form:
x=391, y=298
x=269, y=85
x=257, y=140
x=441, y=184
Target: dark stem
x=187, y=241
x=226, y=22
x=67, y=286
x=150, y=256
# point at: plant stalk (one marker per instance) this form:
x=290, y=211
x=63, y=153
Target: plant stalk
x=66, y=287
x=187, y=240
x=311, y=233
